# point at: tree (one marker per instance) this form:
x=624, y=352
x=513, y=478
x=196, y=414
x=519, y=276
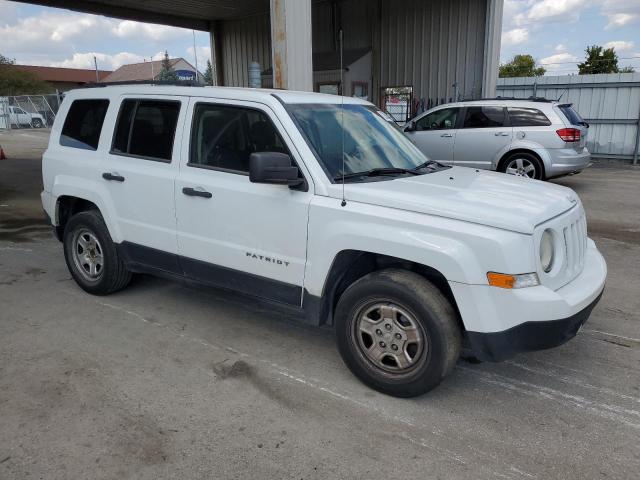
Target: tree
x=521, y=66
x=208, y=74
x=6, y=60
x=14, y=81
x=599, y=60
x=628, y=69
x=167, y=74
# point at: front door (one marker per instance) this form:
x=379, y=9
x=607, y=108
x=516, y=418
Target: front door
x=139, y=171
x=233, y=233
x=485, y=133
x=435, y=134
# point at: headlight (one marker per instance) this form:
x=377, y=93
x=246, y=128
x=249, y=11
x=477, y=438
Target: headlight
x=547, y=250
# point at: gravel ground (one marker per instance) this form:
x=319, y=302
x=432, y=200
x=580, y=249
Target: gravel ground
x=167, y=381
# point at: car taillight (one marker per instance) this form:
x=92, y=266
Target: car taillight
x=569, y=134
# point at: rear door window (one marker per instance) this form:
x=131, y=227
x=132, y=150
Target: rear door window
x=83, y=124
x=527, y=117
x=569, y=112
x=146, y=129
x=484, y=117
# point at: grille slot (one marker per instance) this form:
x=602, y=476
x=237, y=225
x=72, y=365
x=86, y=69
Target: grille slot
x=575, y=240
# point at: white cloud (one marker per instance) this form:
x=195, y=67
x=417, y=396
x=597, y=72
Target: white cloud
x=515, y=36
x=560, y=48
x=158, y=33
x=563, y=62
x=531, y=12
x=620, y=19
x=620, y=45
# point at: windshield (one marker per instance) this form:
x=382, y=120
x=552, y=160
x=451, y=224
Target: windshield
x=370, y=140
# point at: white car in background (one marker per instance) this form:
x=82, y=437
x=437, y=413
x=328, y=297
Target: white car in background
x=21, y=118
x=536, y=138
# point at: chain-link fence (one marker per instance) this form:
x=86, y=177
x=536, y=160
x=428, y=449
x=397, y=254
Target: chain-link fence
x=28, y=111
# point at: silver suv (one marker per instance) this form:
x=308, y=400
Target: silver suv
x=536, y=138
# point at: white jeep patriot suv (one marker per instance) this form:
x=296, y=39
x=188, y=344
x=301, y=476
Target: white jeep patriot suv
x=318, y=204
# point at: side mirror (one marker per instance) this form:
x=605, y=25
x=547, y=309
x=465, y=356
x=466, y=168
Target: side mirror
x=411, y=126
x=274, y=168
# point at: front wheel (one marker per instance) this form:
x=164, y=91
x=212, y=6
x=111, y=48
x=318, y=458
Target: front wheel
x=523, y=165
x=397, y=332
x=37, y=123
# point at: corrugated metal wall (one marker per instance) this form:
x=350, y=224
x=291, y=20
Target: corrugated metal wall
x=244, y=41
x=432, y=45
x=610, y=103
x=429, y=45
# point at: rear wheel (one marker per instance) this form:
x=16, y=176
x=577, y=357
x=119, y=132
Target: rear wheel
x=522, y=164
x=37, y=123
x=91, y=255
x=397, y=332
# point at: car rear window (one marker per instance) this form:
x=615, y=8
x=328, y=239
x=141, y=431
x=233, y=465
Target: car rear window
x=484, y=117
x=83, y=124
x=146, y=129
x=527, y=117
x=573, y=116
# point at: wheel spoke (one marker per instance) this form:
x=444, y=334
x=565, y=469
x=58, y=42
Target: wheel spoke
x=413, y=335
x=519, y=162
x=376, y=352
x=512, y=171
x=387, y=313
x=402, y=360
x=368, y=326
x=92, y=269
x=83, y=242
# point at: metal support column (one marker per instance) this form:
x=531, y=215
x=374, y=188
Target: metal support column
x=291, y=44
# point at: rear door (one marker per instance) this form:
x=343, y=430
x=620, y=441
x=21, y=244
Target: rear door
x=435, y=134
x=484, y=134
x=139, y=172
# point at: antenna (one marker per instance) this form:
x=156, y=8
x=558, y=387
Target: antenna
x=344, y=201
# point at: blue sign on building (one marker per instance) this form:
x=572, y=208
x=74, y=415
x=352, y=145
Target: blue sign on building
x=185, y=75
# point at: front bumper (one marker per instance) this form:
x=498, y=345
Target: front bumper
x=500, y=323
x=529, y=336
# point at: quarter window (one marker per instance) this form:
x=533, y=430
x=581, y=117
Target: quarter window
x=83, y=124
x=223, y=137
x=146, y=128
x=439, y=120
x=484, y=117
x=527, y=117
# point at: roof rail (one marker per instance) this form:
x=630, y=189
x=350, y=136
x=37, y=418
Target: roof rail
x=528, y=99
x=178, y=83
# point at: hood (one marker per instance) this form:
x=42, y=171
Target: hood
x=487, y=198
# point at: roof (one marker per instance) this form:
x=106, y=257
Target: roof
x=57, y=74
x=262, y=95
x=325, y=61
x=140, y=71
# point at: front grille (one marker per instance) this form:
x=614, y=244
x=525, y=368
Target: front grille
x=575, y=240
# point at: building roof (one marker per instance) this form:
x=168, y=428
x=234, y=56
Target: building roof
x=57, y=74
x=140, y=71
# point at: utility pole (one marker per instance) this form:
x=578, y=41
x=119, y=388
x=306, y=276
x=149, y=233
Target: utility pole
x=95, y=62
x=195, y=54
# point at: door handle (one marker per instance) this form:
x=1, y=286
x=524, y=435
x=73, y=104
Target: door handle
x=447, y=135
x=192, y=192
x=113, y=177
x=501, y=134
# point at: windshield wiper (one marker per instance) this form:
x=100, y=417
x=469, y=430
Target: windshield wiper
x=426, y=164
x=374, y=172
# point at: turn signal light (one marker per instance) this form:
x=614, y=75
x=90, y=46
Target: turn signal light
x=569, y=134
x=504, y=280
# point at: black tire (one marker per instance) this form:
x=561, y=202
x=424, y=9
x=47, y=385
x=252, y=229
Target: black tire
x=37, y=123
x=433, y=313
x=113, y=275
x=528, y=159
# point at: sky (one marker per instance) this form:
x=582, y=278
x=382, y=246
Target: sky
x=554, y=32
